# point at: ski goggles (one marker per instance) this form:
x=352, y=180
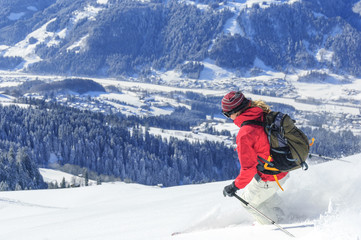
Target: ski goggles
x=227, y=114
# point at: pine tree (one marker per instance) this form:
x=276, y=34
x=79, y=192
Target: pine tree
x=99, y=180
x=63, y=183
x=4, y=186
x=86, y=177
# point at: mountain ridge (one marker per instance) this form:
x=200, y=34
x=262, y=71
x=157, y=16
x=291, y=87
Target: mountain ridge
x=114, y=38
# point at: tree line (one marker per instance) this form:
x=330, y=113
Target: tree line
x=111, y=145
x=121, y=147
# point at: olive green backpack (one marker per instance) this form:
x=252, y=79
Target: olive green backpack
x=289, y=145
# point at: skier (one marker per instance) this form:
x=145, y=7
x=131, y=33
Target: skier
x=259, y=189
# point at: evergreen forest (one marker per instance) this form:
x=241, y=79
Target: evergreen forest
x=115, y=145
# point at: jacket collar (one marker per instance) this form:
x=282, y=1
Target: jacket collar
x=254, y=113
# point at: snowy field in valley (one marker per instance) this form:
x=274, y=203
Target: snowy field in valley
x=322, y=203
x=327, y=94
x=132, y=100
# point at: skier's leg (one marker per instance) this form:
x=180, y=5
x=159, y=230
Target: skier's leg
x=263, y=196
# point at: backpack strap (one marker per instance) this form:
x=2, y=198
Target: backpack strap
x=259, y=123
x=253, y=122
x=266, y=167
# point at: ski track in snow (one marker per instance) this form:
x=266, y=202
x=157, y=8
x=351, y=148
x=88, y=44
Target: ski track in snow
x=21, y=203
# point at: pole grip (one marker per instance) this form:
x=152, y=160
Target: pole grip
x=241, y=199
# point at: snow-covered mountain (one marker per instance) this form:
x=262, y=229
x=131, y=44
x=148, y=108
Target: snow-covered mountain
x=301, y=53
x=113, y=38
x=322, y=203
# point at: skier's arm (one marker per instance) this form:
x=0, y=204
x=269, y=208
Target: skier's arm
x=248, y=160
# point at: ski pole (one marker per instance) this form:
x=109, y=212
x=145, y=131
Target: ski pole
x=261, y=214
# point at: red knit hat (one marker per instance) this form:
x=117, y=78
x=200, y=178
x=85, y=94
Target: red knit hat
x=233, y=102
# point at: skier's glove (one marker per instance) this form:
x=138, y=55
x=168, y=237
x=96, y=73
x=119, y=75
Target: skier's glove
x=230, y=190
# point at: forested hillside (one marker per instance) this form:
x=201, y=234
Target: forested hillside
x=127, y=37
x=112, y=146
x=132, y=36
x=293, y=35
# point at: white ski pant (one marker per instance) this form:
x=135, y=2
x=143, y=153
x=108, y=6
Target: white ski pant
x=263, y=196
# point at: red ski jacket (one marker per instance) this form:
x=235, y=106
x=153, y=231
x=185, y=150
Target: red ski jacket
x=252, y=141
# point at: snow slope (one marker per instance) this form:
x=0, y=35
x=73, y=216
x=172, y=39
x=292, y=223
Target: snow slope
x=323, y=204
x=54, y=176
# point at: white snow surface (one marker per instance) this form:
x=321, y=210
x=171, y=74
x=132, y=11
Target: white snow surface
x=322, y=203
x=102, y=2
x=79, y=45
x=90, y=12
x=32, y=8
x=50, y=175
x=357, y=8
x=15, y=16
